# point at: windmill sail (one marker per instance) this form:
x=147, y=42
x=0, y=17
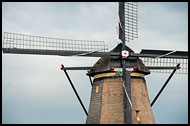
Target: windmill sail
x=128, y=21
x=28, y=44
x=164, y=54
x=164, y=61
x=165, y=65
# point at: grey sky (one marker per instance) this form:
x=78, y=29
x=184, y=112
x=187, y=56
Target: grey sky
x=35, y=90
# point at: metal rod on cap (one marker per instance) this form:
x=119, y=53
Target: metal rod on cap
x=165, y=84
x=74, y=90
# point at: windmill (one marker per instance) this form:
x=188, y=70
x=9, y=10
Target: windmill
x=24, y=48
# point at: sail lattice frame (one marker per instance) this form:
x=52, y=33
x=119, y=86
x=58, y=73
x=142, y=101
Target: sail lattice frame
x=131, y=20
x=165, y=65
x=21, y=41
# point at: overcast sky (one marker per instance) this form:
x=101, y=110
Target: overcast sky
x=35, y=90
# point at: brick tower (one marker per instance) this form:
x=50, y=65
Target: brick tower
x=107, y=103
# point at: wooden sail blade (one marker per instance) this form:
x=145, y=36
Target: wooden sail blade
x=58, y=52
x=28, y=44
x=165, y=65
x=128, y=21
x=164, y=54
x=162, y=61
